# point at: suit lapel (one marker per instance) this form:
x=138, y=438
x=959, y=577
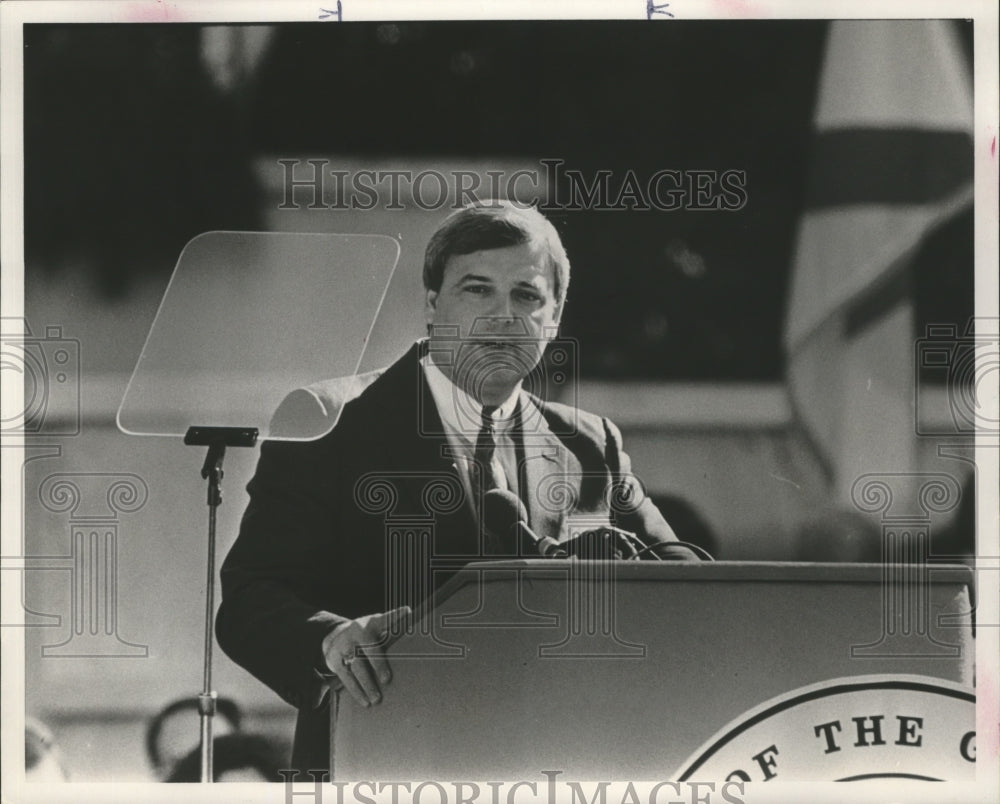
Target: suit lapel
x=456, y=532
x=549, y=476
x=418, y=445
x=547, y=469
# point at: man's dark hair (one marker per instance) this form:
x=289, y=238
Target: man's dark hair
x=491, y=225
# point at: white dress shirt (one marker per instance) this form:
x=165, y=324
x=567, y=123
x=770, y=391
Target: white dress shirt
x=461, y=416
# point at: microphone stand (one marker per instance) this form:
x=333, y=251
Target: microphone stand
x=216, y=439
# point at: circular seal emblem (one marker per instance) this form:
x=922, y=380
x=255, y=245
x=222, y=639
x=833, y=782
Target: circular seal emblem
x=848, y=729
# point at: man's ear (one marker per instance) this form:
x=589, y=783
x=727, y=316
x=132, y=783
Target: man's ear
x=430, y=306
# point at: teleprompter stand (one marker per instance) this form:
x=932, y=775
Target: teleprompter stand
x=210, y=358
x=216, y=439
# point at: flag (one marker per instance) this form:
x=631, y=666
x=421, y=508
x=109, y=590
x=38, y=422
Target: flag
x=891, y=160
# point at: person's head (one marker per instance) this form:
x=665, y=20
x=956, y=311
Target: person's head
x=495, y=282
x=236, y=758
x=42, y=760
x=174, y=730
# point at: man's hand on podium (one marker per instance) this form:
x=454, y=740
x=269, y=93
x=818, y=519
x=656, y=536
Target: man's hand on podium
x=354, y=653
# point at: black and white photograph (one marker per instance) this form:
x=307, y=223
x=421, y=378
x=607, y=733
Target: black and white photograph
x=500, y=402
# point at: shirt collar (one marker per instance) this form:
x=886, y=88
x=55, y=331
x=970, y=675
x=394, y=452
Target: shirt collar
x=460, y=412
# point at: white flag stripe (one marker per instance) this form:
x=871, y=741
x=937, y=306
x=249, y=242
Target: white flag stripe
x=892, y=74
x=843, y=251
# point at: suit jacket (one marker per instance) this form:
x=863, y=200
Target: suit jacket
x=312, y=546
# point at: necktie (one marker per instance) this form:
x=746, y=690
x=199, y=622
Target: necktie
x=488, y=470
x=486, y=461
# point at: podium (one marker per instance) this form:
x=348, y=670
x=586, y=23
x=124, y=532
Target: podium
x=616, y=671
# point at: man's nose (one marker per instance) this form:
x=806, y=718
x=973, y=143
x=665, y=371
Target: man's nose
x=496, y=323
x=503, y=310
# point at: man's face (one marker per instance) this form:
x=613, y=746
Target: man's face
x=494, y=314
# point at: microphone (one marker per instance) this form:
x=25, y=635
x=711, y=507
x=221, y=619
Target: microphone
x=506, y=517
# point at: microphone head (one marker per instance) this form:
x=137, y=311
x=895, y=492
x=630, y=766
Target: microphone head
x=503, y=510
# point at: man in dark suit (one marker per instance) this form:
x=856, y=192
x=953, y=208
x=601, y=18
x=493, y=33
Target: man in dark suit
x=306, y=587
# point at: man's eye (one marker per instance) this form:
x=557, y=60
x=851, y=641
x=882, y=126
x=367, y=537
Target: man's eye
x=528, y=295
x=478, y=289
